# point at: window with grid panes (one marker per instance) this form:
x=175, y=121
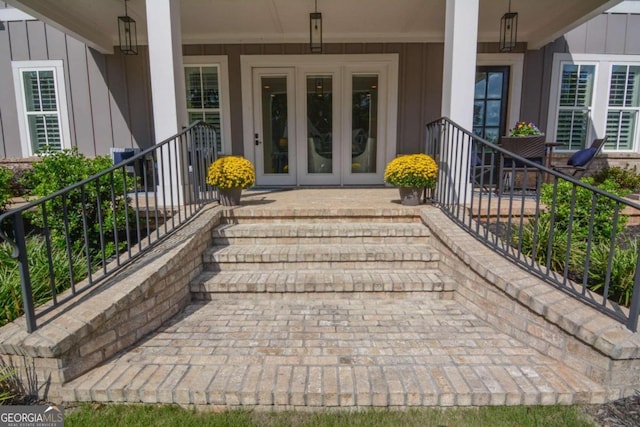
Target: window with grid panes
x=41, y=109
x=623, y=106
x=575, y=103
x=203, y=97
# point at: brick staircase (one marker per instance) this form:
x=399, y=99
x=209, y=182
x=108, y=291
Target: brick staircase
x=331, y=307
x=321, y=254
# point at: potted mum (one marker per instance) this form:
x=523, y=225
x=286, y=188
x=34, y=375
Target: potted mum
x=411, y=173
x=231, y=174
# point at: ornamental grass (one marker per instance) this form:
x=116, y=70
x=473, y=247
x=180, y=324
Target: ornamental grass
x=231, y=172
x=412, y=170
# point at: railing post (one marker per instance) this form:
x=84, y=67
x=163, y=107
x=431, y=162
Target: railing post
x=25, y=278
x=634, y=307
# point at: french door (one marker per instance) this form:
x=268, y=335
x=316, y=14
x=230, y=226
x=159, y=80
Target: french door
x=319, y=124
x=490, y=102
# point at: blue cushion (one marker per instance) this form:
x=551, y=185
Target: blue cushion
x=581, y=157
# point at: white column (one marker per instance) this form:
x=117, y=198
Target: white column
x=460, y=50
x=167, y=88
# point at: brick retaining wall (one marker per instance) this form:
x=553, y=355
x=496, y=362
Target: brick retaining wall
x=528, y=309
x=123, y=310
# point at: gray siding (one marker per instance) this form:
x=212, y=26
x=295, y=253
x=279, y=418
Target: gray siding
x=102, y=90
x=419, y=91
x=613, y=34
x=606, y=34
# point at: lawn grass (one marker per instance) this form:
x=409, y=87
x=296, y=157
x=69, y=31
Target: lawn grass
x=98, y=415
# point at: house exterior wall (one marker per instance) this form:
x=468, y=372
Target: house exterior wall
x=108, y=96
x=104, y=91
x=606, y=34
x=420, y=81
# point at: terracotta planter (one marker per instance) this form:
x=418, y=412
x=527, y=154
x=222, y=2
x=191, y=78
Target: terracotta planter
x=410, y=196
x=230, y=197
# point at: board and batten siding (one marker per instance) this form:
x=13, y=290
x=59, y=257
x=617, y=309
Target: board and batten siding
x=608, y=33
x=419, y=75
x=108, y=96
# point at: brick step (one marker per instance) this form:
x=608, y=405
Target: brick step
x=324, y=232
x=315, y=215
x=427, y=280
x=320, y=256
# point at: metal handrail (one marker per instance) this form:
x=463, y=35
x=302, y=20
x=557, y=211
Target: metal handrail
x=480, y=194
x=163, y=187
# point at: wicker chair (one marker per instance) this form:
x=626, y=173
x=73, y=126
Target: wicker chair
x=532, y=148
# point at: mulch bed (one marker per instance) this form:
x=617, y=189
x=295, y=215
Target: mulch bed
x=619, y=413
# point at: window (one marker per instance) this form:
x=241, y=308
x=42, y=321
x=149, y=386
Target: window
x=594, y=96
x=576, y=95
x=41, y=101
x=207, y=95
x=624, y=103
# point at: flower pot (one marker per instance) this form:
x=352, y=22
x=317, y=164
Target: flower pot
x=230, y=196
x=529, y=147
x=410, y=196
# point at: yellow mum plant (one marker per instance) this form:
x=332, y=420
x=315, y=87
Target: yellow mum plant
x=231, y=172
x=412, y=170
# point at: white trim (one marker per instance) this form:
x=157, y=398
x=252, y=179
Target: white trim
x=515, y=61
x=222, y=62
x=391, y=61
x=11, y=14
x=57, y=67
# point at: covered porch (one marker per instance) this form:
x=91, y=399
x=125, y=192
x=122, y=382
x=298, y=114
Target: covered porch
x=409, y=63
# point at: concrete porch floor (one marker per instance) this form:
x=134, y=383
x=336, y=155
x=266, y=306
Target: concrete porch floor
x=332, y=349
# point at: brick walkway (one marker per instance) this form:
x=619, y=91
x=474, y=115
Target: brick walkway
x=392, y=349
x=329, y=349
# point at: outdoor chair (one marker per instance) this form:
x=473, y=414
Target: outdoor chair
x=532, y=149
x=581, y=160
x=483, y=169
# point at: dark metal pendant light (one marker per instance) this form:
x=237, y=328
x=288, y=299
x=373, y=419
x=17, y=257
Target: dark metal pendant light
x=127, y=33
x=315, y=30
x=508, y=30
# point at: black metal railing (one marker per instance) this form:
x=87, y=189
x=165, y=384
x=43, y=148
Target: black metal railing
x=569, y=233
x=105, y=221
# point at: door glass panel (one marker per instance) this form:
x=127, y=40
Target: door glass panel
x=490, y=103
x=493, y=113
x=275, y=136
x=319, y=124
x=364, y=123
x=495, y=86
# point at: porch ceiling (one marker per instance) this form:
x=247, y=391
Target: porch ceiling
x=265, y=21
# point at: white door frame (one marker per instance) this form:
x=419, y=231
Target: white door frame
x=258, y=148
x=389, y=62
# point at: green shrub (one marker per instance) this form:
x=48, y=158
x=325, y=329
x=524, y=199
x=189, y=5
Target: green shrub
x=5, y=187
x=627, y=178
x=579, y=218
x=539, y=249
x=58, y=170
x=10, y=288
x=623, y=269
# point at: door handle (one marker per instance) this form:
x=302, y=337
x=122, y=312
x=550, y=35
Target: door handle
x=257, y=139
